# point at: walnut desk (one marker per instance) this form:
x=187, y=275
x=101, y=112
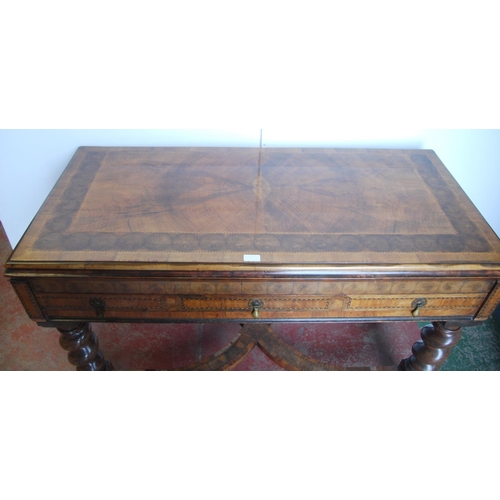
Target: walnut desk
x=257, y=235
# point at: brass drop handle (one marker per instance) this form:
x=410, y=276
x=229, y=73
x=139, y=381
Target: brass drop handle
x=255, y=305
x=417, y=304
x=98, y=305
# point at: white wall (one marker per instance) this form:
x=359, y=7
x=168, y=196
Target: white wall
x=32, y=160
x=473, y=158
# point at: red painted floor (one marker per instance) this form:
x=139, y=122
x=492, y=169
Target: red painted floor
x=26, y=346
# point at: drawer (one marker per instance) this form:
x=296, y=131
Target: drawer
x=99, y=306
x=412, y=306
x=338, y=306
x=160, y=299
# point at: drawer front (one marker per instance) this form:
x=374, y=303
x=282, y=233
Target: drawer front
x=180, y=300
x=406, y=305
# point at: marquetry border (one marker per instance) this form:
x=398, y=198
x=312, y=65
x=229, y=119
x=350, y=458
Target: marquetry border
x=27, y=298
x=148, y=303
x=358, y=301
x=490, y=304
x=270, y=304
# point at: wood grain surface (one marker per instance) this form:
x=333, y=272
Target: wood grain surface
x=297, y=206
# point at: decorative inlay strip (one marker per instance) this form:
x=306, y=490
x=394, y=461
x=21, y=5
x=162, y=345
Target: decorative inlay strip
x=27, y=299
x=113, y=302
x=433, y=301
x=490, y=303
x=228, y=304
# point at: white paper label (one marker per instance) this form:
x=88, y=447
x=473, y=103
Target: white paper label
x=251, y=258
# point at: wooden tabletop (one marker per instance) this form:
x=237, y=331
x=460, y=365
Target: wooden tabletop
x=256, y=205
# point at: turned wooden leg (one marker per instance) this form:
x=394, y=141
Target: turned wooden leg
x=435, y=346
x=83, y=346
